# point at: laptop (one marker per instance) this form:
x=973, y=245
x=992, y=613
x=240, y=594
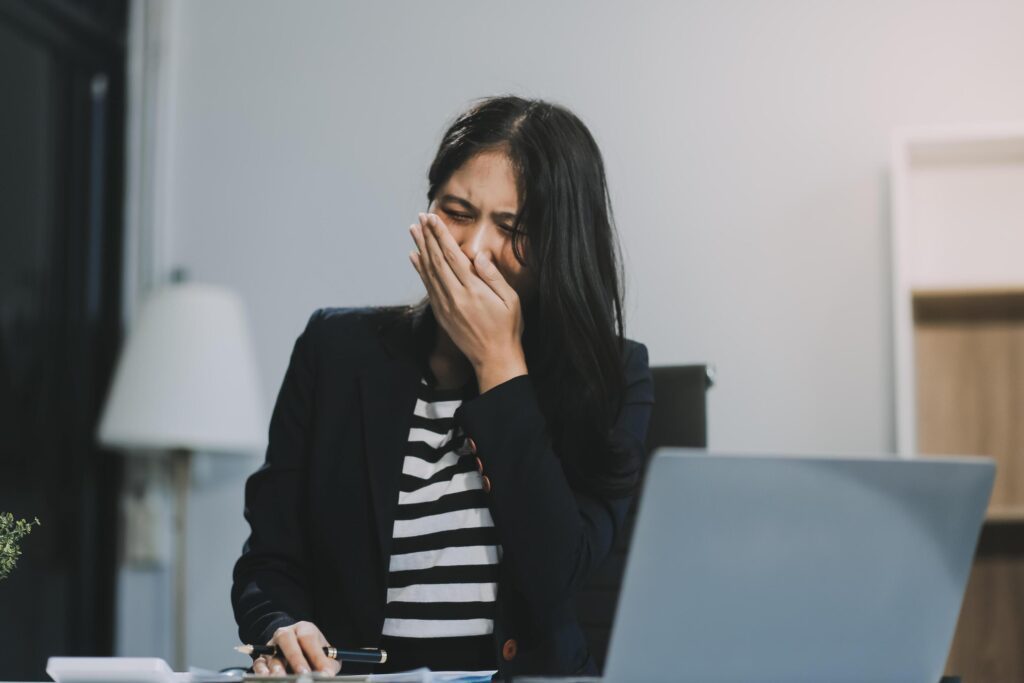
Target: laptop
x=790, y=568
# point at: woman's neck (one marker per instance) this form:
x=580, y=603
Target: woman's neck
x=449, y=365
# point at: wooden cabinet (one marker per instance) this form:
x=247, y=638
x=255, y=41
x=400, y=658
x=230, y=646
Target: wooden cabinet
x=958, y=304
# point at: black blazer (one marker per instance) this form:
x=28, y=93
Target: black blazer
x=322, y=506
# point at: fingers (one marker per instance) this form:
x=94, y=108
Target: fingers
x=439, y=263
x=299, y=644
x=424, y=265
x=420, y=263
x=259, y=666
x=421, y=234
x=288, y=644
x=268, y=666
x=492, y=277
x=312, y=642
x=332, y=667
x=458, y=262
x=444, y=268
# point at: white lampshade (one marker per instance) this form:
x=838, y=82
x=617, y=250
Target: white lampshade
x=187, y=376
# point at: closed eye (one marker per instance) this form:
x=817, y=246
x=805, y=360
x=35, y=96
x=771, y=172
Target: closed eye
x=464, y=217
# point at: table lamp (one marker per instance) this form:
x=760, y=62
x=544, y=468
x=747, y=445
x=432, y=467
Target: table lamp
x=185, y=381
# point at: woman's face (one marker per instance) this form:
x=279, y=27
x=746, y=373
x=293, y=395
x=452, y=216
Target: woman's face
x=479, y=204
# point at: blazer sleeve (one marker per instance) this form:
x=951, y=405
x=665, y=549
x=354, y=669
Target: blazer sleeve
x=552, y=535
x=271, y=578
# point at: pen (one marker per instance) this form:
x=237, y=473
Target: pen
x=367, y=655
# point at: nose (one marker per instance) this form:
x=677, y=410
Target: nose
x=480, y=237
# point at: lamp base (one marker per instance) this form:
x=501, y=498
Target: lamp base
x=181, y=465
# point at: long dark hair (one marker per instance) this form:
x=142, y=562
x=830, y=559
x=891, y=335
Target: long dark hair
x=564, y=232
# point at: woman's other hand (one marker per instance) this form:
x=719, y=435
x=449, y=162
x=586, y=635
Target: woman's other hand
x=301, y=649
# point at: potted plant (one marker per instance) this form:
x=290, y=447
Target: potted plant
x=11, y=533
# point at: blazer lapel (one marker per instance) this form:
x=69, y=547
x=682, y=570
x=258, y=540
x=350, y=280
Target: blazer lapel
x=389, y=393
x=389, y=397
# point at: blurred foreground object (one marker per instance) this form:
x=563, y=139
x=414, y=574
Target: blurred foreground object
x=186, y=381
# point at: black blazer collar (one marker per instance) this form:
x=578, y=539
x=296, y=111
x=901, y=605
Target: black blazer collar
x=408, y=332
x=389, y=391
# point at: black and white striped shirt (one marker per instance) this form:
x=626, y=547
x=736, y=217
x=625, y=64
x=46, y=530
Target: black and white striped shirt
x=442, y=578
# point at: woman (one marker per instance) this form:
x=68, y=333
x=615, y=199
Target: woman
x=440, y=478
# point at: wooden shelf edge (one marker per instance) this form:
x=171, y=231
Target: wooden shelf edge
x=966, y=305
x=1007, y=290
x=1005, y=514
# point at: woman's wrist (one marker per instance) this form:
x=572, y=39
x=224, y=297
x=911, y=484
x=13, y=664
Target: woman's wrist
x=499, y=369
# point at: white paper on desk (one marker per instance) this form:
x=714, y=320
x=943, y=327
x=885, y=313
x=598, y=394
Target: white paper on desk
x=423, y=675
x=197, y=675
x=110, y=670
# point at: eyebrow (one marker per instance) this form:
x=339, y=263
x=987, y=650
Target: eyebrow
x=465, y=204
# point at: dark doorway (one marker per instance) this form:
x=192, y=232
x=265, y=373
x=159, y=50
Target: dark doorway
x=62, y=76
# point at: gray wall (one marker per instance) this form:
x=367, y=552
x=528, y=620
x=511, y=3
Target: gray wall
x=745, y=142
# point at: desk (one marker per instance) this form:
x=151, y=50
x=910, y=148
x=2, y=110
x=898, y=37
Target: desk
x=591, y=679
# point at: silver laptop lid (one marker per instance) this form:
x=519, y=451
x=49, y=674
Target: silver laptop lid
x=797, y=568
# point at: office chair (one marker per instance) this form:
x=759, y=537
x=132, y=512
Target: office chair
x=678, y=418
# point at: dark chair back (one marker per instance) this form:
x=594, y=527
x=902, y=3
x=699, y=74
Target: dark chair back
x=678, y=418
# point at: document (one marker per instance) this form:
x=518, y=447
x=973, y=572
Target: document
x=423, y=675
x=155, y=670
